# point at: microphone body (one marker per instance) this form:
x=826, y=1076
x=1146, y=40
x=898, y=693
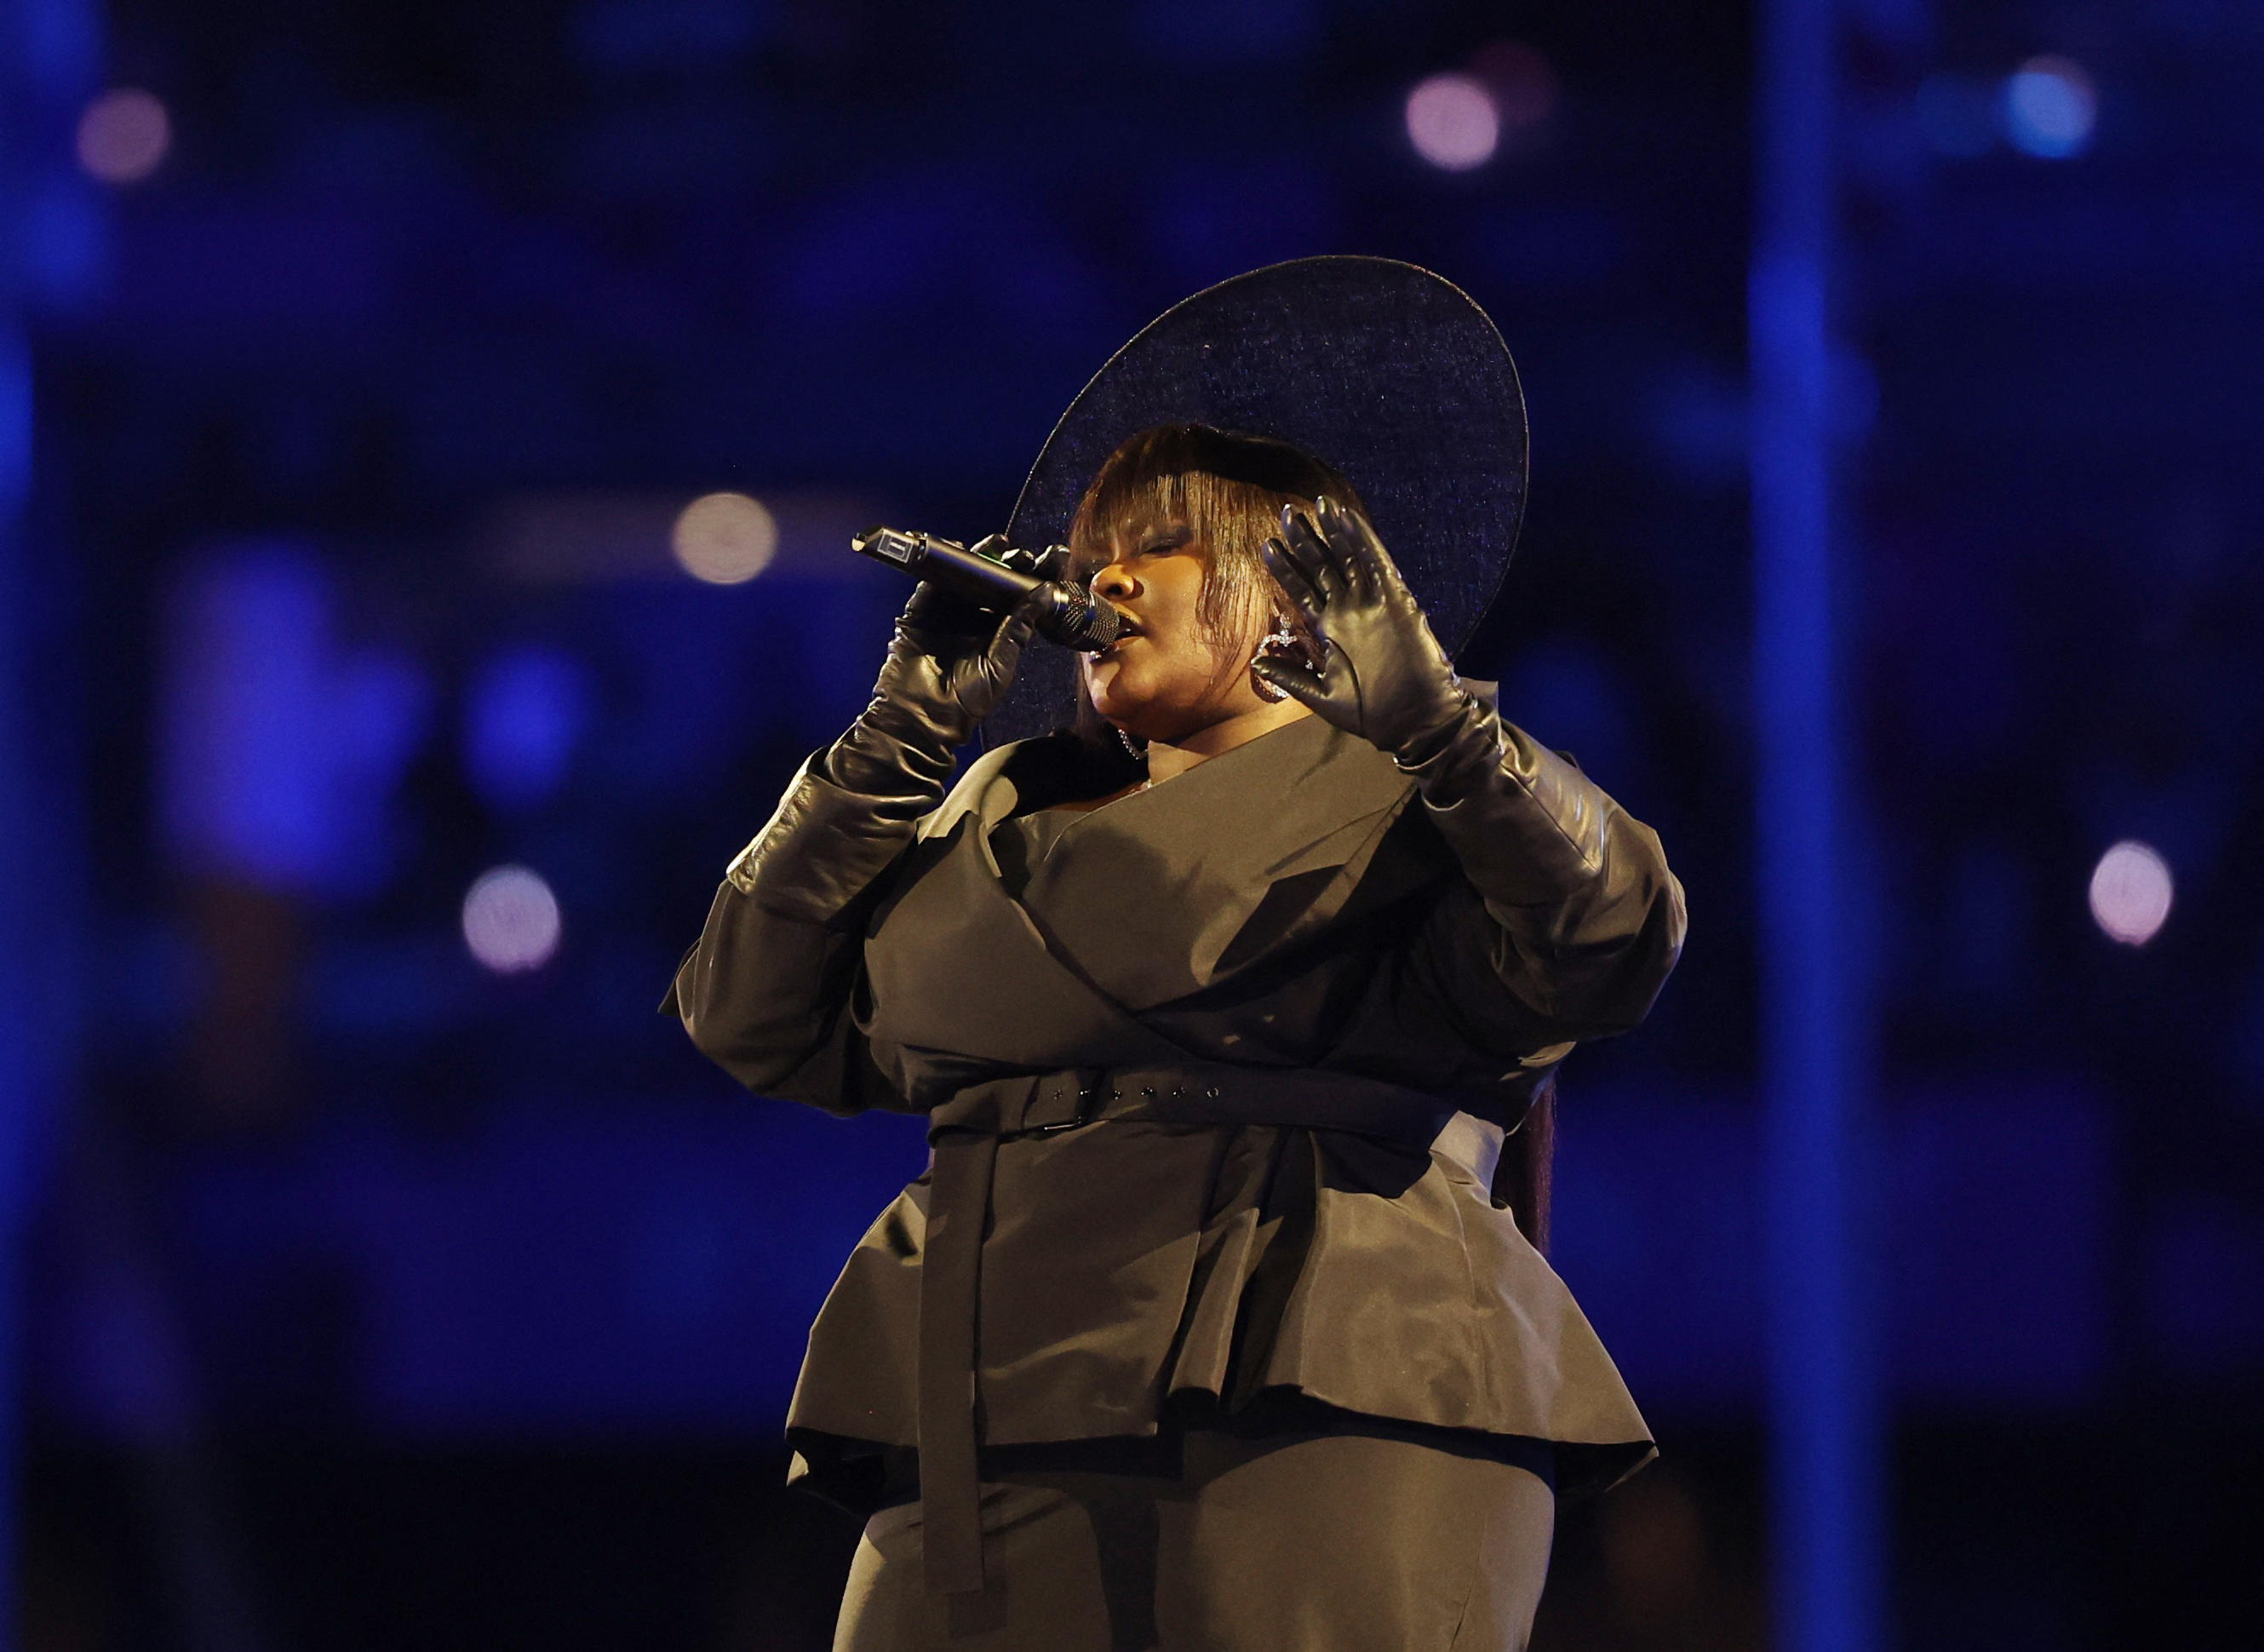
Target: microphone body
x=994, y=574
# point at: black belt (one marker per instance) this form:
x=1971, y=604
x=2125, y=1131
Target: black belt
x=964, y=1133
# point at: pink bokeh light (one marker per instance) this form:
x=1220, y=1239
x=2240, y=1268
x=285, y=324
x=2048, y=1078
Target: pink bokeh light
x=124, y=134
x=2130, y=891
x=1452, y=123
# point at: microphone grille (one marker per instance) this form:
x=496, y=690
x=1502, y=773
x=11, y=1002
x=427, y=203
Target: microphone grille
x=1090, y=624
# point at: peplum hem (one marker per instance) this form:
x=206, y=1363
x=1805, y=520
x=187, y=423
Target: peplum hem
x=1372, y=1277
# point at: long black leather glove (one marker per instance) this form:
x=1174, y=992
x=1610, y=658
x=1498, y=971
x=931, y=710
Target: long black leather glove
x=1383, y=675
x=949, y=665
x=854, y=806
x=1551, y=854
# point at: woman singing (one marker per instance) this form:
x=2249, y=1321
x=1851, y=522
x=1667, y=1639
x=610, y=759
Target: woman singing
x=1233, y=1005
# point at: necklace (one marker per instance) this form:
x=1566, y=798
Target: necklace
x=1139, y=754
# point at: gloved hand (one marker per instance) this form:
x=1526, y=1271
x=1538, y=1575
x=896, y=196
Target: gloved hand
x=949, y=664
x=1526, y=825
x=1590, y=918
x=856, y=804
x=1383, y=675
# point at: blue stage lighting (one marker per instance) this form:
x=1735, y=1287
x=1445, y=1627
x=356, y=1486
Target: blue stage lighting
x=2049, y=108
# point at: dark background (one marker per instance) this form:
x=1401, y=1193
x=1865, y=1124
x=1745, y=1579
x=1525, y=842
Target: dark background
x=373, y=1298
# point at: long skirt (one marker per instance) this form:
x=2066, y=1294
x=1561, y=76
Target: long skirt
x=1327, y=1541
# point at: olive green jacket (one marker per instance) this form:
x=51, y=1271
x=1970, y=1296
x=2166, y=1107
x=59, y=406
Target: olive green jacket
x=1291, y=907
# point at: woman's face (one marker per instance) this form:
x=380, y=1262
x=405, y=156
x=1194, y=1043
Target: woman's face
x=1169, y=676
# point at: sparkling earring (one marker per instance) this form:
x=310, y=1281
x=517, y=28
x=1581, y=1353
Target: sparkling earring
x=1280, y=643
x=1138, y=754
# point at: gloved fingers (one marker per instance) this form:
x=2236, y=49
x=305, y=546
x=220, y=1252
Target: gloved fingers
x=1330, y=687
x=930, y=603
x=1344, y=550
x=991, y=674
x=1312, y=555
x=1352, y=537
x=1303, y=686
x=935, y=613
x=1013, y=633
x=1295, y=586
x=1334, y=542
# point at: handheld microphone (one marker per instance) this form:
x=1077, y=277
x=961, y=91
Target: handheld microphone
x=994, y=574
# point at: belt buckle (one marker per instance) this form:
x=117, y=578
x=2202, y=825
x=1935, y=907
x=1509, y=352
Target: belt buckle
x=1088, y=1092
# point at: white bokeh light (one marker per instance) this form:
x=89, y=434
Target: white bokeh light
x=725, y=538
x=123, y=135
x=2130, y=890
x=2050, y=107
x=1452, y=123
x=511, y=919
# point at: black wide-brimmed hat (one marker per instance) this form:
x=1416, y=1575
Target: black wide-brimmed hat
x=1387, y=372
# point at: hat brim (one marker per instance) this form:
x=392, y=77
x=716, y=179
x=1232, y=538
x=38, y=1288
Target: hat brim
x=1388, y=372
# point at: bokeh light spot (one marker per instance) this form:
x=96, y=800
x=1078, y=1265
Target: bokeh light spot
x=2050, y=107
x=2130, y=891
x=511, y=919
x=725, y=538
x=1452, y=123
x=123, y=135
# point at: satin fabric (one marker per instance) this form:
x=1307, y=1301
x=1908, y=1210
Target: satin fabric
x=1246, y=1546
x=1288, y=905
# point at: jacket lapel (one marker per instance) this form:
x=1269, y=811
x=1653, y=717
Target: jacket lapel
x=1141, y=902
x=1170, y=890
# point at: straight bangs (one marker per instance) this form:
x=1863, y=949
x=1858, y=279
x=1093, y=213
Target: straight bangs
x=1230, y=489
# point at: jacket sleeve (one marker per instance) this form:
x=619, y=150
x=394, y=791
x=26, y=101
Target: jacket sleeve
x=768, y=992
x=1570, y=921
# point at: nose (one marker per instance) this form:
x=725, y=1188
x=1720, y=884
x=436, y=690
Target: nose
x=1114, y=582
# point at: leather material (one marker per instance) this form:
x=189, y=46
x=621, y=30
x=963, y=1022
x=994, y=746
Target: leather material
x=855, y=806
x=949, y=665
x=1566, y=874
x=1534, y=835
x=1380, y=674
x=823, y=846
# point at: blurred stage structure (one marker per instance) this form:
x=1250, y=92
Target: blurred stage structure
x=1823, y=1436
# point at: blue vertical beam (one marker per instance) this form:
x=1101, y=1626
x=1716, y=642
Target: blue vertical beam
x=1824, y=1434
x=21, y=1062
x=21, y=1067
